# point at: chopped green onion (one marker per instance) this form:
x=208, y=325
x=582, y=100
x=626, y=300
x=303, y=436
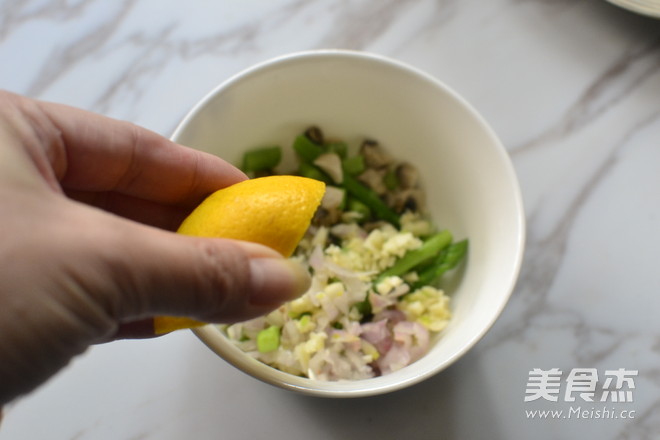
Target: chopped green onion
x=262, y=159
x=308, y=170
x=364, y=308
x=268, y=339
x=428, y=250
x=447, y=260
x=339, y=148
x=307, y=149
x=295, y=315
x=355, y=205
x=305, y=319
x=354, y=165
x=371, y=199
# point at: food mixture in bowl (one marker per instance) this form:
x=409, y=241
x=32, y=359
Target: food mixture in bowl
x=376, y=261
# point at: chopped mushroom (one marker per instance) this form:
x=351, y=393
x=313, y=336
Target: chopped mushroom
x=330, y=163
x=326, y=217
x=329, y=213
x=377, y=315
x=407, y=176
x=375, y=180
x=315, y=135
x=333, y=197
x=408, y=200
x=374, y=155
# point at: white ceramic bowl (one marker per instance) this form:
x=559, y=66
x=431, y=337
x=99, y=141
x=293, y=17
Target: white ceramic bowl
x=471, y=186
x=646, y=7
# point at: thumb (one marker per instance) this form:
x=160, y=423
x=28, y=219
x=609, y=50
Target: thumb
x=156, y=272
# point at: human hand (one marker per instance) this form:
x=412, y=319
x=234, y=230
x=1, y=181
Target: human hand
x=88, y=254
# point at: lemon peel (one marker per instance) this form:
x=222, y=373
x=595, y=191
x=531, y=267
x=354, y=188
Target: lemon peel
x=274, y=211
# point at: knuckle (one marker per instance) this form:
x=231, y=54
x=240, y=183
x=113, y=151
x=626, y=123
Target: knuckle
x=223, y=277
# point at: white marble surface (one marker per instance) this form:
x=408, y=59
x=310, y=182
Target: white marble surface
x=572, y=88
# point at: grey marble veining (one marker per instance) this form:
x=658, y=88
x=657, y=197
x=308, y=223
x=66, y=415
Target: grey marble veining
x=571, y=87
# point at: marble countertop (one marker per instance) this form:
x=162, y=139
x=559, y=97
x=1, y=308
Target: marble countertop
x=573, y=90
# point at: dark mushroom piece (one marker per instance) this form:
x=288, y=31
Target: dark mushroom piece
x=326, y=217
x=329, y=213
x=374, y=155
x=407, y=176
x=408, y=200
x=375, y=180
x=315, y=134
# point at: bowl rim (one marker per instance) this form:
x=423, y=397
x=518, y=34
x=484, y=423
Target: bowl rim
x=649, y=10
x=213, y=338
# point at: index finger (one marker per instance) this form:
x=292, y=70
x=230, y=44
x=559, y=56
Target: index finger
x=108, y=155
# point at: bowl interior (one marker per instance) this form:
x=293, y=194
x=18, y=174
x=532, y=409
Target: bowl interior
x=471, y=187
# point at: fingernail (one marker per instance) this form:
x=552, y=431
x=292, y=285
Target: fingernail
x=277, y=280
